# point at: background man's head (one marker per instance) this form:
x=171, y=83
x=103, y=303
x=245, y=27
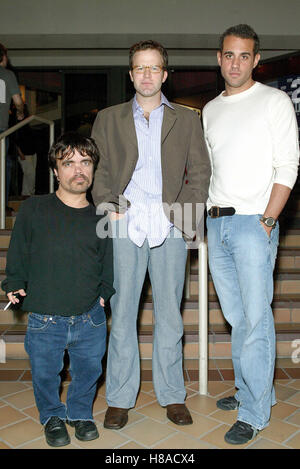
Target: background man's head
x=3, y=55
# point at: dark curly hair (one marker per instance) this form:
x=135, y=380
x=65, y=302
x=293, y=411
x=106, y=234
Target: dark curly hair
x=68, y=143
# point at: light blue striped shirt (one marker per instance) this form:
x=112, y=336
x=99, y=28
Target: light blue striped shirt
x=145, y=216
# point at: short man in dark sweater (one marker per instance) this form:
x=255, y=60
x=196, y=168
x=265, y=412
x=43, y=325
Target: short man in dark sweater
x=64, y=271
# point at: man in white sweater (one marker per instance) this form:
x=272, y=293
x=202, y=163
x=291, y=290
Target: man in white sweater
x=252, y=138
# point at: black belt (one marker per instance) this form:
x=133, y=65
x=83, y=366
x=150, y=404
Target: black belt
x=216, y=212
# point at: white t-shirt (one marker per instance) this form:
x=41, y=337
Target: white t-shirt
x=252, y=139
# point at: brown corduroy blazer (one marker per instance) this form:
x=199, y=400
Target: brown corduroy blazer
x=184, y=159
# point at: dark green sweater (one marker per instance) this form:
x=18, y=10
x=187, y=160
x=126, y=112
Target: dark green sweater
x=56, y=256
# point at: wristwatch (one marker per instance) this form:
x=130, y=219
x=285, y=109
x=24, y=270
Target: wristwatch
x=268, y=221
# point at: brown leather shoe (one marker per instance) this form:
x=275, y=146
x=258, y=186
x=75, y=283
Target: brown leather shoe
x=179, y=414
x=115, y=418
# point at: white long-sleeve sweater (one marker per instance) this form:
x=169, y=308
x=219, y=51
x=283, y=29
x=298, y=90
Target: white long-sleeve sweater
x=252, y=139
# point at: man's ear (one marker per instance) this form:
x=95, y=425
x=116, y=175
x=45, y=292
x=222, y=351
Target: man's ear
x=219, y=57
x=256, y=60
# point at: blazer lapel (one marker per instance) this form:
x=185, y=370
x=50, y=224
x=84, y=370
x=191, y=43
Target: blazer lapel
x=128, y=123
x=168, y=122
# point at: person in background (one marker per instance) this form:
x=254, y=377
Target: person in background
x=9, y=90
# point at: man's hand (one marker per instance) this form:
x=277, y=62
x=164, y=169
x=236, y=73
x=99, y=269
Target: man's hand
x=116, y=216
x=268, y=229
x=102, y=302
x=12, y=296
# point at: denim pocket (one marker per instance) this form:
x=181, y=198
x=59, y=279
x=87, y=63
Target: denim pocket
x=38, y=322
x=96, y=316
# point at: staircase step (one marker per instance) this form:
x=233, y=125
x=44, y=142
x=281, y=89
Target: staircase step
x=219, y=369
x=219, y=341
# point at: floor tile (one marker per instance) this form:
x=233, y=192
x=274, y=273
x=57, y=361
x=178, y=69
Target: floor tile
x=282, y=410
x=201, y=425
x=216, y=439
x=295, y=418
x=180, y=441
x=21, y=432
x=40, y=443
x=4, y=446
x=295, y=399
x=263, y=443
x=108, y=439
x=278, y=430
x=294, y=442
x=148, y=432
x=202, y=404
x=7, y=388
x=9, y=415
x=21, y=399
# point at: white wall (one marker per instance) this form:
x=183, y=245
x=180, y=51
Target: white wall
x=99, y=32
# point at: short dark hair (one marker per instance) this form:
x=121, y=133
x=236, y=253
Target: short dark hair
x=3, y=52
x=243, y=31
x=149, y=44
x=68, y=143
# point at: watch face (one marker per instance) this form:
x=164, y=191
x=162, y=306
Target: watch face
x=270, y=221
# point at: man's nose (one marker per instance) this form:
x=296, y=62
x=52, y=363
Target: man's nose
x=235, y=62
x=78, y=168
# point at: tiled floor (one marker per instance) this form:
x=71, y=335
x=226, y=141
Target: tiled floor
x=148, y=426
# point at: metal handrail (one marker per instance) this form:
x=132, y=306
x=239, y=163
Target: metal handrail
x=202, y=312
x=202, y=257
x=3, y=136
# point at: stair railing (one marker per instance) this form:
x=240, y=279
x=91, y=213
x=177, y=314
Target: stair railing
x=3, y=136
x=202, y=312
x=202, y=255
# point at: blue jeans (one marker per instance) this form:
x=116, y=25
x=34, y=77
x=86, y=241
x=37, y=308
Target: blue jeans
x=166, y=266
x=241, y=260
x=84, y=337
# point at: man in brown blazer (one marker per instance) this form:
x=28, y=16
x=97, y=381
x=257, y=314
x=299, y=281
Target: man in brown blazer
x=154, y=169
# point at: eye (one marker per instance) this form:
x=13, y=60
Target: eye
x=87, y=162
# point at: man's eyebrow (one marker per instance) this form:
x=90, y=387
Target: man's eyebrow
x=241, y=53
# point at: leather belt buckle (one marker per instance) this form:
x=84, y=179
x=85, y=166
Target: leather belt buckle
x=214, y=212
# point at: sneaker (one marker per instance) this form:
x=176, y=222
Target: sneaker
x=228, y=403
x=56, y=432
x=240, y=433
x=85, y=430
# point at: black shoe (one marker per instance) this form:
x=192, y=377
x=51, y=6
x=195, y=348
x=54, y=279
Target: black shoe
x=240, y=433
x=85, y=430
x=228, y=403
x=56, y=432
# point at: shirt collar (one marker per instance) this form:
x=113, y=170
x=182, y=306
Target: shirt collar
x=136, y=107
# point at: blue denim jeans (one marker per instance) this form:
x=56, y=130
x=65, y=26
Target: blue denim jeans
x=47, y=338
x=166, y=266
x=241, y=260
